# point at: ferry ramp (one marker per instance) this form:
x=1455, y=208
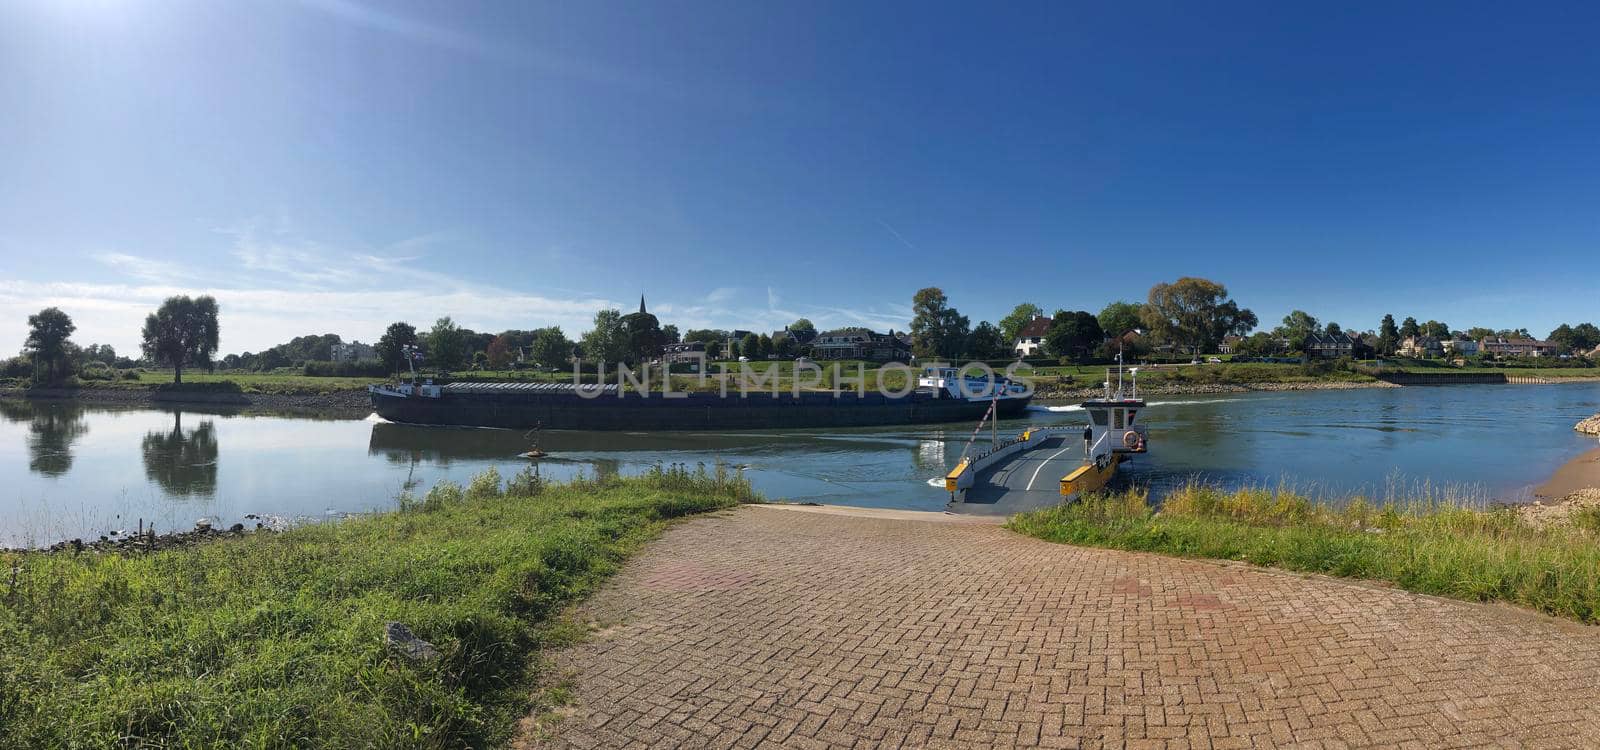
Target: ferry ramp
x=1029, y=480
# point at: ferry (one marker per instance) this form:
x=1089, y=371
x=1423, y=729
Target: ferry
x=1050, y=465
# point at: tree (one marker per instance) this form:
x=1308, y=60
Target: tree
x=783, y=344
x=1562, y=337
x=1011, y=325
x=1333, y=329
x=1073, y=334
x=704, y=335
x=766, y=346
x=447, y=346
x=550, y=347
x=1479, y=333
x=480, y=360
x=1120, y=317
x=988, y=342
x=713, y=350
x=1388, y=336
x=1231, y=320
x=734, y=351
x=669, y=334
x=48, y=331
x=803, y=329
x=642, y=336
x=1580, y=338
x=937, y=329
x=1435, y=329
x=1585, y=337
x=498, y=354
x=181, y=332
x=750, y=346
x=1194, y=313
x=391, y=346
x=1261, y=344
x=608, y=340
x=1410, y=329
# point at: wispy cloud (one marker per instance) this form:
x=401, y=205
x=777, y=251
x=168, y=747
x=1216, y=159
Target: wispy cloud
x=143, y=269
x=481, y=47
x=896, y=234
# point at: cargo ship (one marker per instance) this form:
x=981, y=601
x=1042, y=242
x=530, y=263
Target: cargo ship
x=942, y=395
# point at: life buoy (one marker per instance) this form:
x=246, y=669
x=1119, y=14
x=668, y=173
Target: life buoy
x=1131, y=440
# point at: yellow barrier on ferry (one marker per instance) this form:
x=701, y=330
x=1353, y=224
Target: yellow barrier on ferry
x=1089, y=477
x=954, y=476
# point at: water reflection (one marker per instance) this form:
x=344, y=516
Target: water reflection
x=52, y=429
x=183, y=463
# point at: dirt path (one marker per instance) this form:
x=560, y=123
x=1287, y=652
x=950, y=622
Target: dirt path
x=781, y=627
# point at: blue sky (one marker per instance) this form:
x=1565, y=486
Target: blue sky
x=333, y=165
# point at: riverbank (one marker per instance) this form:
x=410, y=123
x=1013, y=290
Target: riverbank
x=418, y=628
x=346, y=403
x=1052, y=391
x=1434, y=546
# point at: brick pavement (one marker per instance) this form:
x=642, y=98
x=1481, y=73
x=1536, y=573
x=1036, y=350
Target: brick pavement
x=786, y=628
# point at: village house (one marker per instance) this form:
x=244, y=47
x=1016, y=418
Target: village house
x=1228, y=342
x=1503, y=347
x=688, y=351
x=1461, y=347
x=1421, y=346
x=1030, y=340
x=1334, y=346
x=860, y=343
x=354, y=351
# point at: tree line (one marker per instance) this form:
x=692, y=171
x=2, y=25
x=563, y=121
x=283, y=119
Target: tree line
x=181, y=333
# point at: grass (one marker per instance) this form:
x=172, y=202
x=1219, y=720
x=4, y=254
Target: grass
x=1443, y=545
x=275, y=640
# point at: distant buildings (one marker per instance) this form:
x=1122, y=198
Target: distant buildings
x=1226, y=347
x=1461, y=347
x=1421, y=346
x=354, y=351
x=860, y=343
x=689, y=351
x=1503, y=347
x=1334, y=346
x=1030, y=340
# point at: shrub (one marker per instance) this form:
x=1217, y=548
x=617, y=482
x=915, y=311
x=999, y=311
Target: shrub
x=485, y=484
x=95, y=370
x=367, y=368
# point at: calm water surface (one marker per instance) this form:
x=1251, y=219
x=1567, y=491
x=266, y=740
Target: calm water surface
x=70, y=470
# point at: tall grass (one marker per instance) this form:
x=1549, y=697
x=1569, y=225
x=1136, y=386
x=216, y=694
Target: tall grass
x=1443, y=544
x=276, y=640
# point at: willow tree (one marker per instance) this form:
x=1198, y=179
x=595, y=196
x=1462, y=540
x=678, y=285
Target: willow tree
x=182, y=332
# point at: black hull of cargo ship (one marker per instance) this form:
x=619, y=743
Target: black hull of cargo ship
x=693, y=411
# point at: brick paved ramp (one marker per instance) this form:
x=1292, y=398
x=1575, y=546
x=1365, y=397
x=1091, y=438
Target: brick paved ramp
x=781, y=627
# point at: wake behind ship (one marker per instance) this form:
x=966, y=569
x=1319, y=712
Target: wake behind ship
x=942, y=395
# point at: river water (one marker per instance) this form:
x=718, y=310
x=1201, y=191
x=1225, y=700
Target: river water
x=72, y=470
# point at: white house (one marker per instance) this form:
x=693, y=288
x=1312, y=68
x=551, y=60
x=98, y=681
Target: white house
x=353, y=352
x=1030, y=340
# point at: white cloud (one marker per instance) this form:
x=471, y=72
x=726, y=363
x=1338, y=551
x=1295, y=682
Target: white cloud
x=273, y=286
x=144, y=269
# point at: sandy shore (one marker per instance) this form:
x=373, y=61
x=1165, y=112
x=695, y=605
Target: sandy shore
x=1574, y=486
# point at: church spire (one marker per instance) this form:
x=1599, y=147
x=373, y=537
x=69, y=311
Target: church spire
x=641, y=304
